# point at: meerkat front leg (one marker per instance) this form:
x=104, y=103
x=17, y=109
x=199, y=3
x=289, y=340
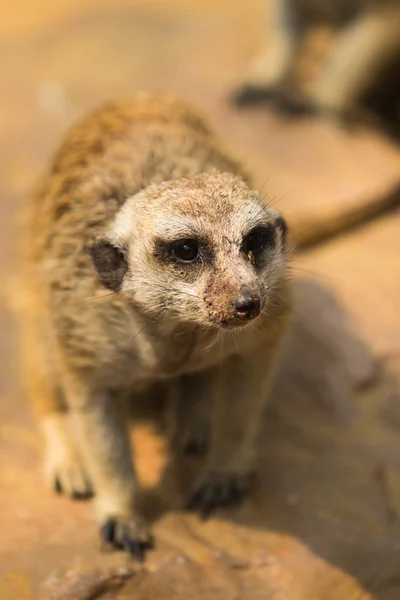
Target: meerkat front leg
x=103, y=436
x=63, y=464
x=357, y=56
x=241, y=388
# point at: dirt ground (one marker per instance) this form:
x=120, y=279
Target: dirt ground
x=323, y=519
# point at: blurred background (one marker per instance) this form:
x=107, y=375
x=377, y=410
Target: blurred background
x=323, y=521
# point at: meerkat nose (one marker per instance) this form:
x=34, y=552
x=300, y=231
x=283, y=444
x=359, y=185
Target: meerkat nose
x=248, y=305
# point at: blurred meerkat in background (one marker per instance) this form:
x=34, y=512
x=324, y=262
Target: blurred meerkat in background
x=357, y=75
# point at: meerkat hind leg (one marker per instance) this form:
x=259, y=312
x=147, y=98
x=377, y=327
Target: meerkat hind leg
x=188, y=413
x=241, y=391
x=226, y=476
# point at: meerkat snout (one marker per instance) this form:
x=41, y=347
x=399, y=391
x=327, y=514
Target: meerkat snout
x=231, y=304
x=248, y=305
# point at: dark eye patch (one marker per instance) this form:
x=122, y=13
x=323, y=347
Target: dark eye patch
x=259, y=240
x=282, y=226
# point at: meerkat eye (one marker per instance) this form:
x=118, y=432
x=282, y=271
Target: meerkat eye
x=259, y=240
x=185, y=250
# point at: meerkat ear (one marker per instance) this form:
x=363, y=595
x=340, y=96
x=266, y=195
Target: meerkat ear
x=110, y=263
x=282, y=226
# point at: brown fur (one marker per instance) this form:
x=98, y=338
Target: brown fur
x=127, y=183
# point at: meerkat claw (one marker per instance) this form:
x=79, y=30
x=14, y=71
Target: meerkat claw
x=215, y=492
x=76, y=486
x=127, y=535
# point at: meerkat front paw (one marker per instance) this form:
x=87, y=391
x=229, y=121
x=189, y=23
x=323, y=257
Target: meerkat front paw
x=295, y=105
x=217, y=489
x=284, y=101
x=64, y=470
x=127, y=533
x=249, y=94
x=65, y=473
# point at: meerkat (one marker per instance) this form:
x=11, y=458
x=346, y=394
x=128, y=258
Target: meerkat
x=147, y=259
x=363, y=57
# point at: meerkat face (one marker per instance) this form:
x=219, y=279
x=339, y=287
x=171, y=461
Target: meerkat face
x=204, y=250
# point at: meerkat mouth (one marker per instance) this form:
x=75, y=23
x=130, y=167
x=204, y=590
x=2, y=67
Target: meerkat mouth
x=236, y=324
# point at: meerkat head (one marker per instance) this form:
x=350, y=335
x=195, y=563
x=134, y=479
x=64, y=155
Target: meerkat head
x=204, y=250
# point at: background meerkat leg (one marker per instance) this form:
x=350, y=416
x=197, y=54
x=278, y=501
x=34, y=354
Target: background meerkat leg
x=64, y=469
x=188, y=412
x=241, y=391
x=100, y=426
x=275, y=66
x=357, y=56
